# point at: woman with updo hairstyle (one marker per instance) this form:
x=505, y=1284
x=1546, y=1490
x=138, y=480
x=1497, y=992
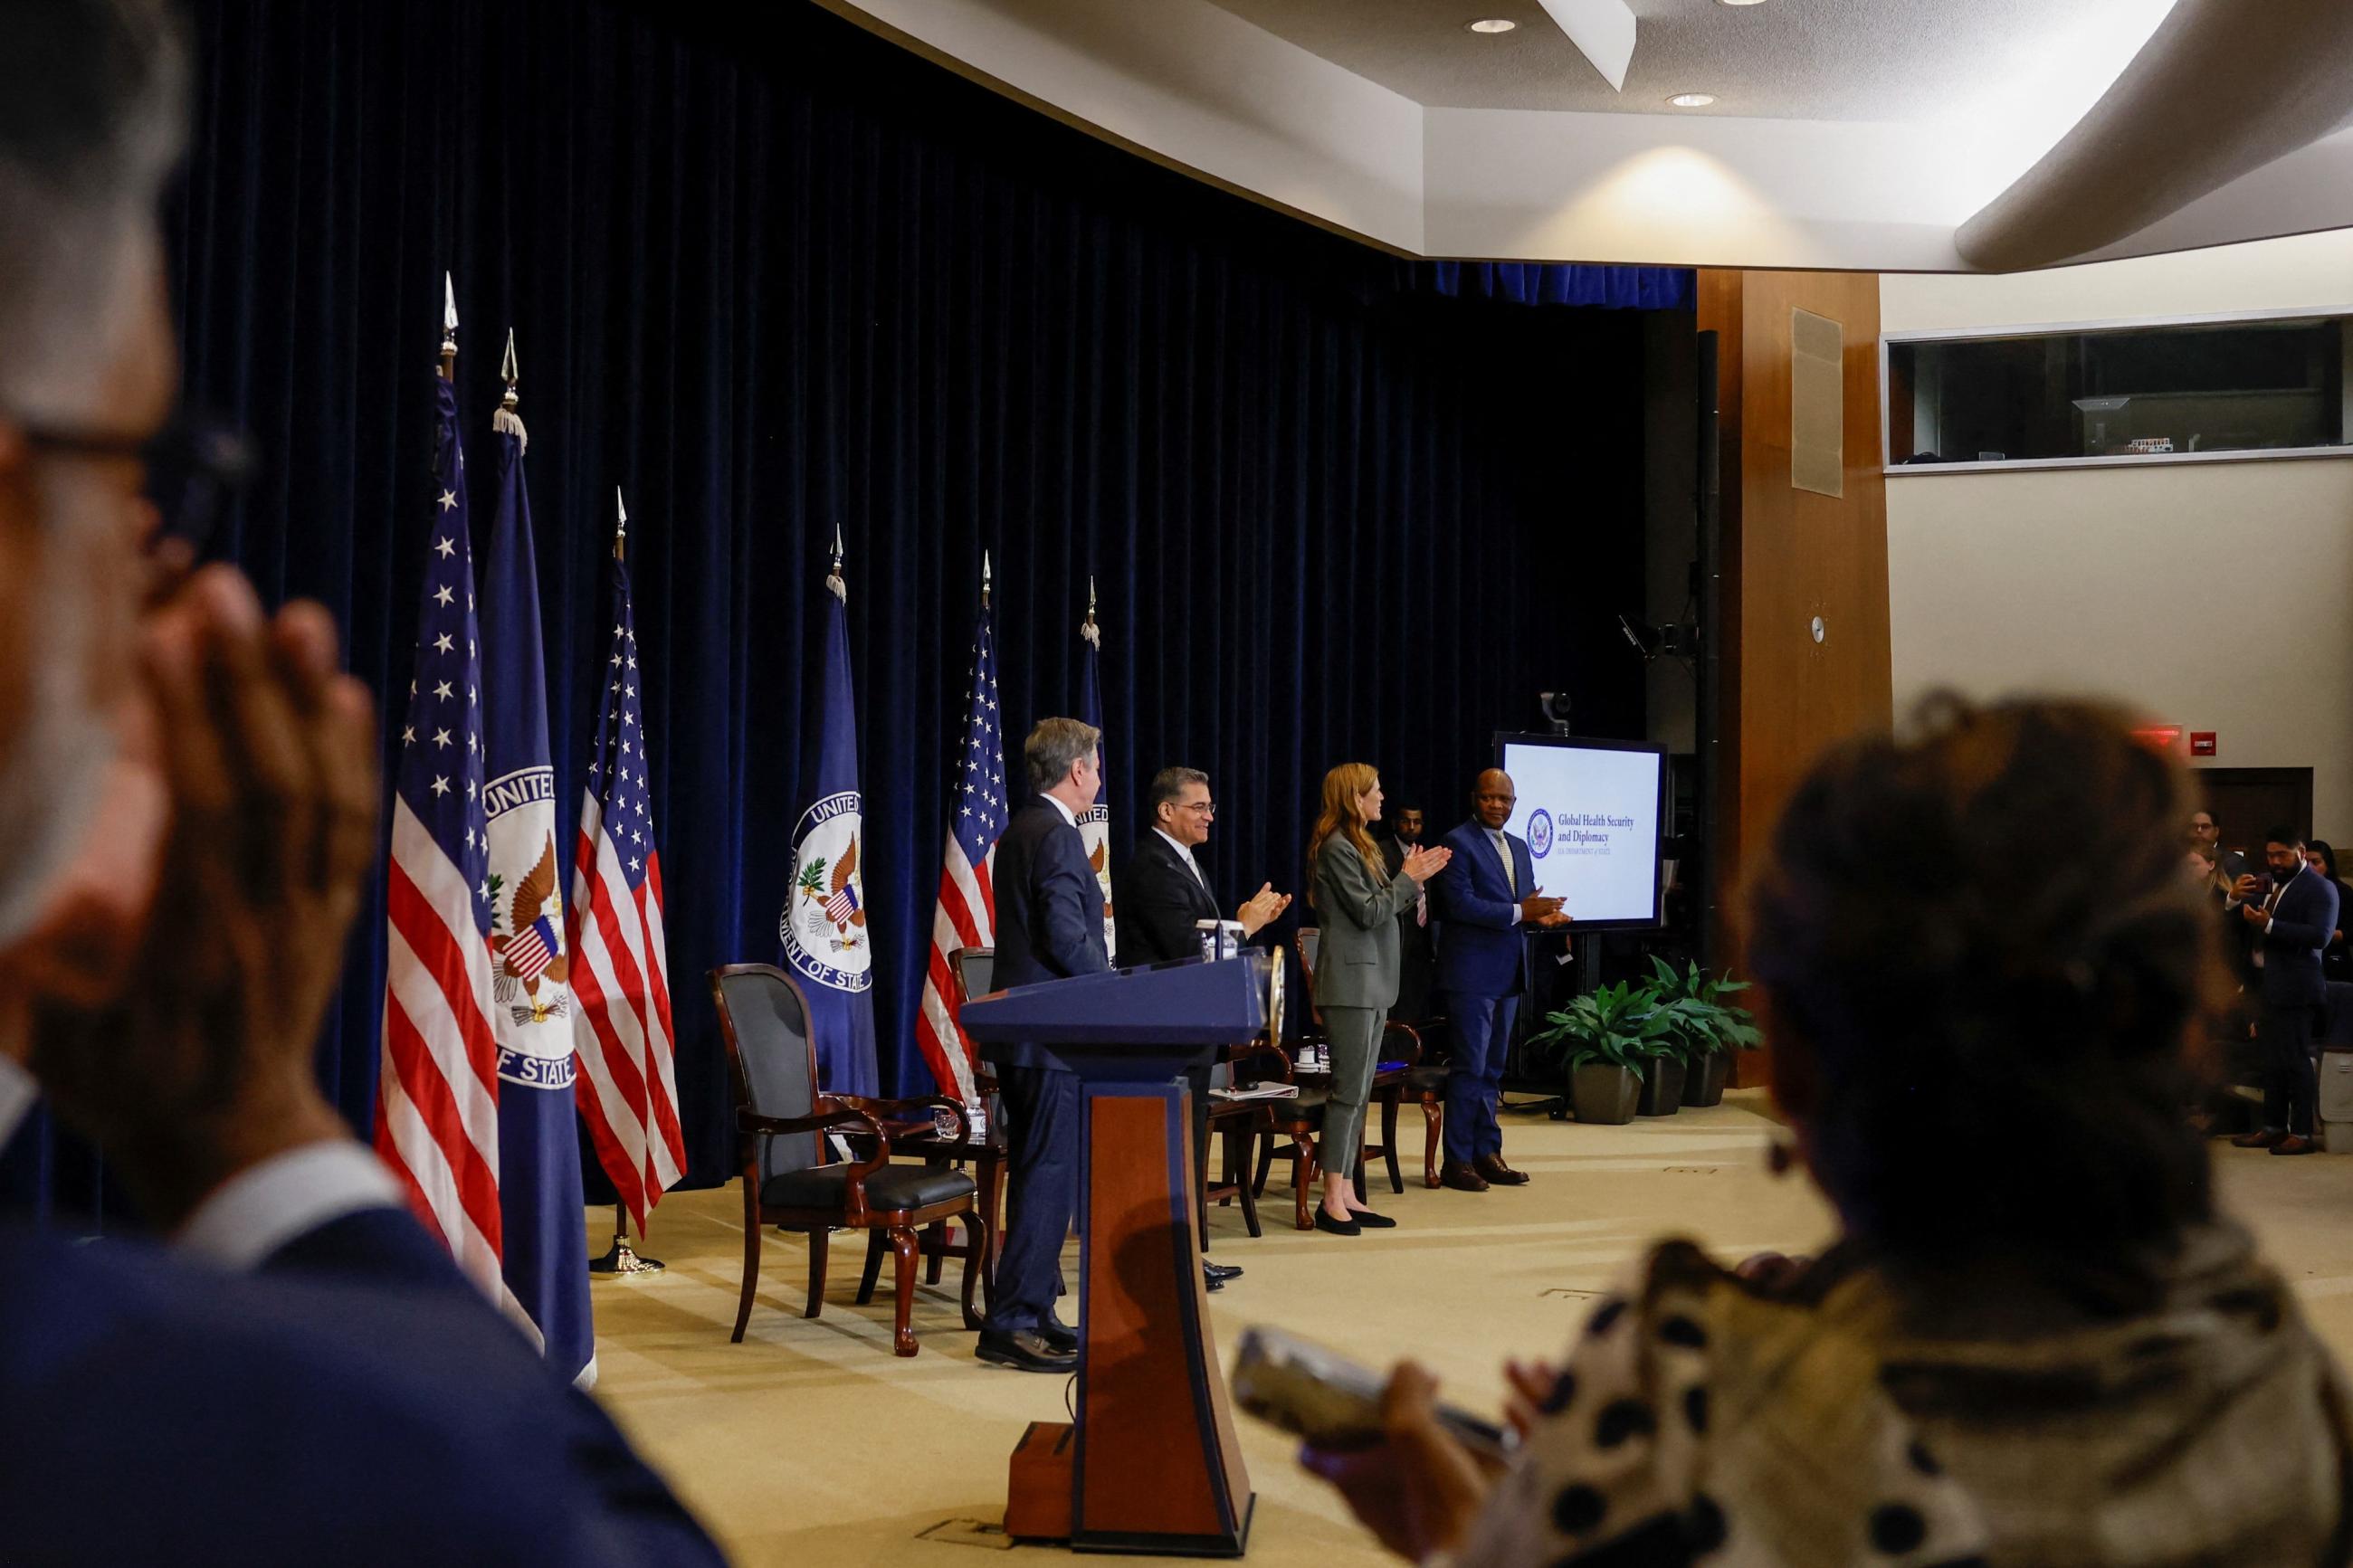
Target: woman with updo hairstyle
x=2035, y=1341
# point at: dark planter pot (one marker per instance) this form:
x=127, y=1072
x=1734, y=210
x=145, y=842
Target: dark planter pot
x=1704, y=1083
x=1662, y=1088
x=1603, y=1093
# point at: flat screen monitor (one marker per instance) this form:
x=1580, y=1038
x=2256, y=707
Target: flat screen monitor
x=1591, y=811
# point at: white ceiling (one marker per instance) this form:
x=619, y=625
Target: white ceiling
x=1902, y=60
x=1857, y=134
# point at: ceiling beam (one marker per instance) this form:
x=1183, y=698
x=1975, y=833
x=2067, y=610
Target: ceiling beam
x=1604, y=29
x=2223, y=88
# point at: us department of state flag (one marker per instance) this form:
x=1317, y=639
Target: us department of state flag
x=546, y=1260
x=827, y=938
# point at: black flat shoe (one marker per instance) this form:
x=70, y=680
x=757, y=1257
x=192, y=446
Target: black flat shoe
x=1372, y=1221
x=1059, y=1334
x=1324, y=1221
x=1222, y=1272
x=1025, y=1350
x=1212, y=1283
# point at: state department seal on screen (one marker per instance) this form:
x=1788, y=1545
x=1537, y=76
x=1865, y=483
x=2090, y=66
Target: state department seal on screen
x=1539, y=833
x=825, y=933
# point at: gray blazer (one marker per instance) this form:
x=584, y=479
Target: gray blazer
x=1357, y=963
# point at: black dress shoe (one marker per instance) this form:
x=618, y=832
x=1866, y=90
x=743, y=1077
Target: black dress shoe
x=1497, y=1173
x=1026, y=1350
x=1372, y=1221
x=1220, y=1272
x=1461, y=1178
x=1324, y=1221
x=1212, y=1283
x=1059, y=1334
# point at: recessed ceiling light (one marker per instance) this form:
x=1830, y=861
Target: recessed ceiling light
x=1492, y=24
x=1742, y=1
x=1692, y=100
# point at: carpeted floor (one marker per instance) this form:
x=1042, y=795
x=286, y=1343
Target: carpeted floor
x=810, y=1445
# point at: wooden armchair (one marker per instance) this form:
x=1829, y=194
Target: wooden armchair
x=1402, y=1071
x=790, y=1181
x=1298, y=1120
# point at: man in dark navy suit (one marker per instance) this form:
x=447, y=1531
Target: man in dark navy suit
x=188, y=810
x=2294, y=913
x=1480, y=900
x=1163, y=896
x=1049, y=926
x=1416, y=961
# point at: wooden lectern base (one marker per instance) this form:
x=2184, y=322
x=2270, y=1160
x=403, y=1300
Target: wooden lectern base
x=1037, y=1495
x=1153, y=1463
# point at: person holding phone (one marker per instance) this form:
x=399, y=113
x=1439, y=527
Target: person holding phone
x=2037, y=1339
x=2292, y=914
x=1356, y=970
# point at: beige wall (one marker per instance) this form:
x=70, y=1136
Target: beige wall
x=2217, y=596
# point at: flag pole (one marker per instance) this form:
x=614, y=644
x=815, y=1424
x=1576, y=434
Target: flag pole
x=622, y=1261
x=449, y=328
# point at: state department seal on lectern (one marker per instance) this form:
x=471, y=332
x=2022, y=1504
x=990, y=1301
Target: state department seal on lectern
x=824, y=928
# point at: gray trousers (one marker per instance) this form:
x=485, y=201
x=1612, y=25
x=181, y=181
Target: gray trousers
x=1354, y=1035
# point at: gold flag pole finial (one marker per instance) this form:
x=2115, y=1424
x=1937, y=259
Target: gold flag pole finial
x=449, y=328
x=621, y=528
x=984, y=579
x=1089, y=632
x=506, y=421
x=834, y=583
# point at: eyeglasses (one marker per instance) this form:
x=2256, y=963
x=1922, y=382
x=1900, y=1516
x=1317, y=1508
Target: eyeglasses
x=1200, y=807
x=194, y=466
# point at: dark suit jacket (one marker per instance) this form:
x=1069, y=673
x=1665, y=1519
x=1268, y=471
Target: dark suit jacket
x=1049, y=908
x=357, y=1402
x=1415, y=959
x=1158, y=898
x=1480, y=952
x=2303, y=915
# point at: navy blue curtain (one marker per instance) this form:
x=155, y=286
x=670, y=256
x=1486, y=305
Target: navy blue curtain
x=776, y=277
x=1553, y=283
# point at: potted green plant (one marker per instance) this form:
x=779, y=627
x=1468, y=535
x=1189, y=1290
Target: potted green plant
x=1663, y=1071
x=1602, y=1042
x=1708, y=1029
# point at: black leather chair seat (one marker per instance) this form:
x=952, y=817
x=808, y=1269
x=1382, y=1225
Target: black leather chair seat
x=891, y=1187
x=1432, y=1076
x=1307, y=1106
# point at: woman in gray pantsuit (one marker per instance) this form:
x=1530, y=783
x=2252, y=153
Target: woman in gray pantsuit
x=1356, y=968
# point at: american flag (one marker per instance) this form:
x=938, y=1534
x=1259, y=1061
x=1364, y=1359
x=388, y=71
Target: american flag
x=531, y=951
x=437, y=1110
x=627, y=1086
x=966, y=913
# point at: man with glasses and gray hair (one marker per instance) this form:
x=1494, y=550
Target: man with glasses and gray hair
x=188, y=799
x=1049, y=926
x=1163, y=896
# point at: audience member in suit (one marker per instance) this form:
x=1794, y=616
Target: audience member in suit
x=1416, y=963
x=187, y=817
x=2205, y=830
x=2336, y=959
x=2294, y=917
x=1162, y=895
x=1481, y=902
x=1049, y=926
x=1357, y=902
x=1986, y=1090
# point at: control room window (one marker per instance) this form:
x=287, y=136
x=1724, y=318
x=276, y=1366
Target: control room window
x=2129, y=392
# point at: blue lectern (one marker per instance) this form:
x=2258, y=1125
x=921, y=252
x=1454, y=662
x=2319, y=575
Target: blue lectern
x=1152, y=1463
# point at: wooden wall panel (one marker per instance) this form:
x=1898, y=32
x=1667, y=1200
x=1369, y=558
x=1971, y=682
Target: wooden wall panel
x=1792, y=555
